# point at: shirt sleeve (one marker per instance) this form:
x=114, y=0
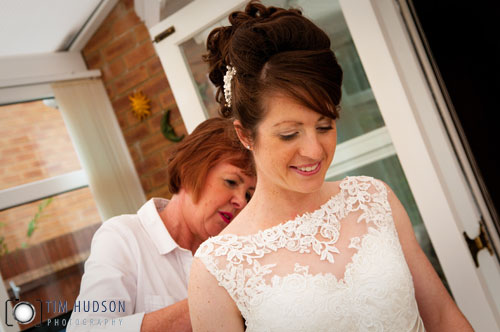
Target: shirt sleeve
x=109, y=285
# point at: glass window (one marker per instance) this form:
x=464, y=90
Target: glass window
x=43, y=243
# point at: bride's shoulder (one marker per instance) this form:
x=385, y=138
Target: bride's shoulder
x=354, y=183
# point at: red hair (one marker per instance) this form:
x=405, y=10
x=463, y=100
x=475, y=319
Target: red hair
x=213, y=141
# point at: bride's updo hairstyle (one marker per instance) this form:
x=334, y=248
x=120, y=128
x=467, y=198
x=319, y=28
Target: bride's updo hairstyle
x=273, y=51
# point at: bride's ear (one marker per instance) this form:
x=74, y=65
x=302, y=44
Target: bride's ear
x=242, y=134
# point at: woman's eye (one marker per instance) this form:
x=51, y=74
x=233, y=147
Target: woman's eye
x=248, y=195
x=287, y=137
x=324, y=128
x=231, y=183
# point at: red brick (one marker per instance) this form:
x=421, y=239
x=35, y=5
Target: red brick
x=121, y=104
x=141, y=33
x=159, y=178
x=110, y=90
x=155, y=122
x=175, y=115
x=33, y=174
x=160, y=192
x=113, y=70
x=125, y=23
x=167, y=99
x=154, y=66
x=136, y=134
x=119, y=46
x=179, y=128
x=100, y=38
x=131, y=79
x=139, y=55
x=132, y=118
x=25, y=156
x=94, y=60
x=136, y=157
x=154, y=143
x=129, y=4
x=149, y=165
x=19, y=140
x=155, y=86
x=122, y=119
x=146, y=183
x=10, y=181
x=39, y=163
x=155, y=106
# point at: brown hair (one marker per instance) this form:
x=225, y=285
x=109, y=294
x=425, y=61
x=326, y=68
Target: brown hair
x=213, y=141
x=274, y=51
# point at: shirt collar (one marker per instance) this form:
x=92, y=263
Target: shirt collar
x=154, y=226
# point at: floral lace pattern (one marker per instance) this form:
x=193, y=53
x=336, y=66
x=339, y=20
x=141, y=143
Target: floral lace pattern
x=375, y=292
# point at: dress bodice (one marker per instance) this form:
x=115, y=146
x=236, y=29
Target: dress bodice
x=338, y=268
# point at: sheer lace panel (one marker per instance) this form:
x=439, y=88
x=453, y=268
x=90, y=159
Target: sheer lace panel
x=334, y=263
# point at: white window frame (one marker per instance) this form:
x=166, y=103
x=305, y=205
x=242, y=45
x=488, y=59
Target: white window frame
x=28, y=78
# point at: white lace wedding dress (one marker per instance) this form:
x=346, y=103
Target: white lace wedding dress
x=339, y=268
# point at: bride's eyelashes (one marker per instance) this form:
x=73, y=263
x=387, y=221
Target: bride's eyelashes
x=291, y=136
x=288, y=137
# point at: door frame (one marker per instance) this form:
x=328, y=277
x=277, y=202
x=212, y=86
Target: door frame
x=426, y=154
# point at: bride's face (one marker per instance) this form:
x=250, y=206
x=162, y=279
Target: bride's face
x=294, y=146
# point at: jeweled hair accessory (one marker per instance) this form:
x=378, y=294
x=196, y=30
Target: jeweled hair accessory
x=228, y=77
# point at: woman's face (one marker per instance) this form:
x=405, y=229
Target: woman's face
x=227, y=190
x=294, y=146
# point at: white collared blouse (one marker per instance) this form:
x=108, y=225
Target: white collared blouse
x=134, y=267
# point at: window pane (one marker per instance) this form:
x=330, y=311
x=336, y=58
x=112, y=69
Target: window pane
x=48, y=264
x=193, y=50
x=34, y=144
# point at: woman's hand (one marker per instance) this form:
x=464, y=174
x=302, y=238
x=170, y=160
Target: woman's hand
x=175, y=317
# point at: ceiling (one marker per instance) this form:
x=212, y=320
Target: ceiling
x=41, y=26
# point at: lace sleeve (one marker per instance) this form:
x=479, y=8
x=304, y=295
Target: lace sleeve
x=233, y=261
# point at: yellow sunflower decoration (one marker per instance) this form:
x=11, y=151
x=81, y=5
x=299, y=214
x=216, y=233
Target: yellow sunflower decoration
x=140, y=105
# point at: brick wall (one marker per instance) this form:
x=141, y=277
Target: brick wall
x=121, y=48
x=35, y=145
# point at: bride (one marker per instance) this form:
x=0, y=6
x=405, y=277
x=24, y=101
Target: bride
x=305, y=254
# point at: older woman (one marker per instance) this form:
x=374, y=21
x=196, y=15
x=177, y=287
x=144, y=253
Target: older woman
x=137, y=273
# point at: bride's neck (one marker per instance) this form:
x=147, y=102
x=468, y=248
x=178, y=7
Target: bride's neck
x=273, y=204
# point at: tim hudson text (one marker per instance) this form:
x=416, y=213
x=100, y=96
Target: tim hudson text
x=87, y=306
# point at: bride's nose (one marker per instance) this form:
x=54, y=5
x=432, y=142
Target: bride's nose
x=310, y=147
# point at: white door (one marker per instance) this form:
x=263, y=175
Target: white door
x=390, y=128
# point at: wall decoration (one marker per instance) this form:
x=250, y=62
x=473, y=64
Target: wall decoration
x=140, y=105
x=168, y=130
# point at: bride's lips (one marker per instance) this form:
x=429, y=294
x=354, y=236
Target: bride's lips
x=226, y=216
x=307, y=170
